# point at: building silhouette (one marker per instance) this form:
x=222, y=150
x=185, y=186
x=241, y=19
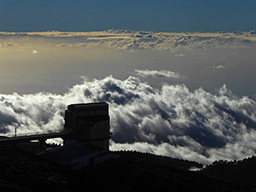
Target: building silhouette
x=87, y=141
x=85, y=137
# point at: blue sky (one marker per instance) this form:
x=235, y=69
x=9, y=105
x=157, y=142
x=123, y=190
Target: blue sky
x=149, y=15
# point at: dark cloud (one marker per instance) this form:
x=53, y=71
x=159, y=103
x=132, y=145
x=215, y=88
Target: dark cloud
x=6, y=120
x=113, y=93
x=171, y=121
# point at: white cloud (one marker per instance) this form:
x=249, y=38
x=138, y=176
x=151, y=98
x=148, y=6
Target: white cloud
x=219, y=67
x=170, y=121
x=35, y=51
x=157, y=73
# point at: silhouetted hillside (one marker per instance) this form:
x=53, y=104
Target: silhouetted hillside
x=125, y=171
x=238, y=171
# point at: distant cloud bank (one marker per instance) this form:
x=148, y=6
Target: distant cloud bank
x=132, y=40
x=170, y=121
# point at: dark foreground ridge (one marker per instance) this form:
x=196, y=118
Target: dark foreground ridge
x=124, y=171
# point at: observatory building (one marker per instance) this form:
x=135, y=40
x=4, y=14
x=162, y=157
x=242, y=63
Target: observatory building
x=86, y=138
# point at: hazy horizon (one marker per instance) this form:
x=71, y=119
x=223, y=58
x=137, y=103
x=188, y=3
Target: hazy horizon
x=55, y=61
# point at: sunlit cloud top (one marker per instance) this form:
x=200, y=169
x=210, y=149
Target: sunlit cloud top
x=128, y=40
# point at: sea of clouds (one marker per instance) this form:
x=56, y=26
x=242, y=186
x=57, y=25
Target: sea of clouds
x=171, y=120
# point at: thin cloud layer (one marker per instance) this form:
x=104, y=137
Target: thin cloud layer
x=128, y=40
x=157, y=73
x=172, y=121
